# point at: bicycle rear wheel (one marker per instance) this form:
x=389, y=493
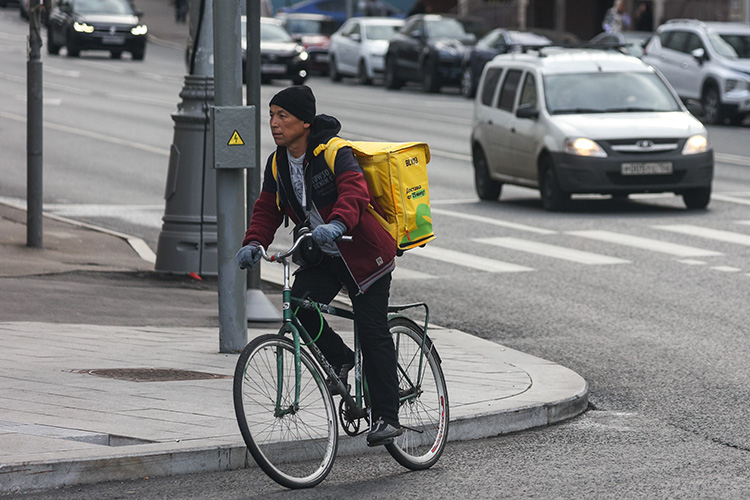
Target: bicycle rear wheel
x=423, y=410
x=294, y=443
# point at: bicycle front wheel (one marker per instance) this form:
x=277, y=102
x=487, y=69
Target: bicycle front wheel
x=423, y=407
x=292, y=438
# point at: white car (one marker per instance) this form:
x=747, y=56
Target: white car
x=706, y=62
x=585, y=121
x=358, y=48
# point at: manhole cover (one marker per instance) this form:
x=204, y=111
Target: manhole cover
x=151, y=374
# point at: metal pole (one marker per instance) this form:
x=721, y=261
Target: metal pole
x=34, y=118
x=259, y=307
x=253, y=98
x=230, y=192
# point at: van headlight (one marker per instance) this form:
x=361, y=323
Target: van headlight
x=581, y=146
x=695, y=144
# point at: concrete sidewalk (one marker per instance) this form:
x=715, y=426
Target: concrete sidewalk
x=111, y=371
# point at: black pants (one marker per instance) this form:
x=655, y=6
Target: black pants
x=321, y=283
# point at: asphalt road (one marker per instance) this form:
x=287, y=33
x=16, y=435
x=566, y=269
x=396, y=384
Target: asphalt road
x=658, y=330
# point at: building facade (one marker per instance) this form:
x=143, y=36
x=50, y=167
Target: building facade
x=583, y=18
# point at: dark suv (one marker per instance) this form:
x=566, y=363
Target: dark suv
x=429, y=49
x=109, y=25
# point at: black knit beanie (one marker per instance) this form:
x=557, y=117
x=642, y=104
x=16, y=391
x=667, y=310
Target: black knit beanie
x=298, y=100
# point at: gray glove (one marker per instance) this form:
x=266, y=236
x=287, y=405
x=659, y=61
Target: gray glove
x=328, y=233
x=248, y=255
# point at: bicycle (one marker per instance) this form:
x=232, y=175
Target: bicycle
x=285, y=409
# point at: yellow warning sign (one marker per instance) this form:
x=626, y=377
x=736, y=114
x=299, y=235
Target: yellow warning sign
x=236, y=140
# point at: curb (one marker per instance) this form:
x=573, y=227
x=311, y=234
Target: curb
x=176, y=459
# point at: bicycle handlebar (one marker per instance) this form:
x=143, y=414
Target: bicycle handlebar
x=280, y=256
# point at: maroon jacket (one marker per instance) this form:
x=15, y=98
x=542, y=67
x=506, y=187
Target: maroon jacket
x=343, y=196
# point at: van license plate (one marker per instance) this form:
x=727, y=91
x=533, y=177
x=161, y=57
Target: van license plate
x=646, y=168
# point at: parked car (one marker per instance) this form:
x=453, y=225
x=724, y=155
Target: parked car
x=359, y=47
x=569, y=121
x=109, y=25
x=314, y=32
x=631, y=42
x=281, y=57
x=337, y=9
x=706, y=62
x=496, y=42
x=429, y=49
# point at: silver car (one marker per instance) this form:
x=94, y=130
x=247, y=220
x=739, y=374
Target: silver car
x=358, y=48
x=706, y=62
x=585, y=121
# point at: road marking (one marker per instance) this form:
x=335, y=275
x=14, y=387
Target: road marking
x=554, y=251
x=491, y=221
x=705, y=232
x=401, y=273
x=645, y=243
x=93, y=135
x=467, y=260
x=692, y=262
x=730, y=199
x=726, y=269
x=735, y=159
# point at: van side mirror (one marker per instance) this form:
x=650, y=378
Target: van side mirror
x=527, y=111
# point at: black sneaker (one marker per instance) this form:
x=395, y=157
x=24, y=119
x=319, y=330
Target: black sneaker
x=383, y=433
x=343, y=374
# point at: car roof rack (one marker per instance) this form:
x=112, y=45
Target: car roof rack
x=686, y=21
x=539, y=49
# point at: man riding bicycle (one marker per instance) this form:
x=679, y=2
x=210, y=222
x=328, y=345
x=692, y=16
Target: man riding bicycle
x=300, y=185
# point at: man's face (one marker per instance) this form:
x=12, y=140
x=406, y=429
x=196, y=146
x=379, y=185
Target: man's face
x=286, y=128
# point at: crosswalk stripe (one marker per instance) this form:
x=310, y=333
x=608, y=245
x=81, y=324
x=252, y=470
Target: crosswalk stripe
x=555, y=251
x=645, y=243
x=491, y=221
x=468, y=260
x=731, y=199
x=706, y=232
x=401, y=273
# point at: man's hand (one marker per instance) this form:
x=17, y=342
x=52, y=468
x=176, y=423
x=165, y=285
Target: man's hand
x=328, y=233
x=248, y=255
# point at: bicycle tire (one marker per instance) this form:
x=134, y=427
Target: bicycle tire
x=425, y=416
x=296, y=449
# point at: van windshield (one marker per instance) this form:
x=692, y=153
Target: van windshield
x=607, y=92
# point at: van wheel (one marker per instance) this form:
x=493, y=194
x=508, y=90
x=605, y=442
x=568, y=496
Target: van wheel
x=711, y=106
x=487, y=188
x=554, y=198
x=697, y=199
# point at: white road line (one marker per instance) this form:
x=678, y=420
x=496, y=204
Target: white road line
x=491, y=221
x=92, y=135
x=726, y=269
x=692, y=262
x=735, y=159
x=730, y=199
x=554, y=251
x=401, y=273
x=645, y=243
x=705, y=232
x=468, y=260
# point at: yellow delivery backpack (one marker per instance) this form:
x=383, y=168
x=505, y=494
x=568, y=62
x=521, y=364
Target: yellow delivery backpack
x=396, y=174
